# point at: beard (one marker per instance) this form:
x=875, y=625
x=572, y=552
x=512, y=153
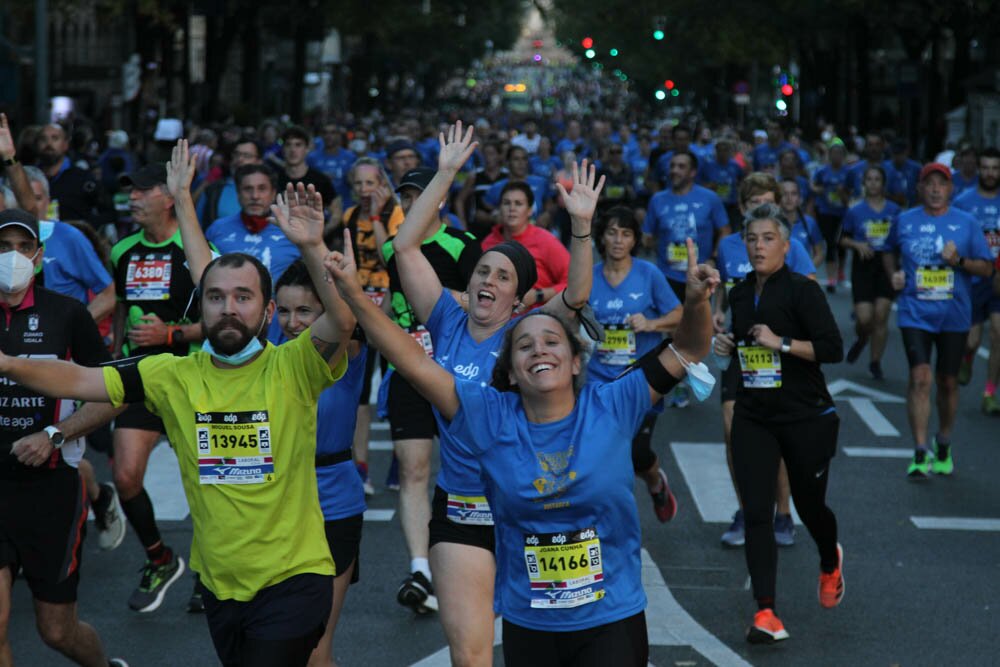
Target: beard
x=46, y=159
x=227, y=344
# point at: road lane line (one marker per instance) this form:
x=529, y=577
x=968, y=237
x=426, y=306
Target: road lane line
x=379, y=515
x=380, y=445
x=955, y=523
x=873, y=418
x=163, y=484
x=879, y=452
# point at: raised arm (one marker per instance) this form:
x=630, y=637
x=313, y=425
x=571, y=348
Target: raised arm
x=580, y=204
x=58, y=379
x=420, y=283
x=180, y=171
x=299, y=214
x=431, y=380
x=19, y=184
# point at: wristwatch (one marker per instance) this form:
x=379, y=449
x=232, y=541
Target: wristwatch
x=9, y=162
x=786, y=344
x=539, y=295
x=56, y=436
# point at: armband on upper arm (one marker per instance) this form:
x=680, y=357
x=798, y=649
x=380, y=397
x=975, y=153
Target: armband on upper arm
x=128, y=370
x=657, y=376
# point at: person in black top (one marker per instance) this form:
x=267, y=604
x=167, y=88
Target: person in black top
x=295, y=146
x=783, y=330
x=43, y=505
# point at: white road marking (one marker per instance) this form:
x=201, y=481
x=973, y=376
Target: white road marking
x=380, y=445
x=379, y=426
x=983, y=353
x=379, y=515
x=668, y=624
x=840, y=386
x=703, y=465
x=879, y=452
x=163, y=484
x=955, y=523
x=873, y=418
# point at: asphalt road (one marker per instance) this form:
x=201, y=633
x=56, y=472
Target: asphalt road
x=922, y=585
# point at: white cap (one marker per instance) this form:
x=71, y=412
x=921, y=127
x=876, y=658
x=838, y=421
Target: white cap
x=168, y=129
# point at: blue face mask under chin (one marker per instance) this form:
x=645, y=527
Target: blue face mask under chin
x=698, y=377
x=237, y=358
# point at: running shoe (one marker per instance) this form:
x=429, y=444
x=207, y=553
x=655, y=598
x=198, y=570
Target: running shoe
x=735, y=536
x=856, y=349
x=682, y=398
x=196, y=603
x=831, y=586
x=990, y=406
x=920, y=466
x=664, y=502
x=875, y=368
x=831, y=288
x=156, y=579
x=784, y=530
x=110, y=523
x=766, y=629
x=392, y=477
x=965, y=370
x=943, y=462
x=362, y=469
x=417, y=593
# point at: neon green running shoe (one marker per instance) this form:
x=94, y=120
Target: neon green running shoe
x=943, y=463
x=920, y=467
x=990, y=405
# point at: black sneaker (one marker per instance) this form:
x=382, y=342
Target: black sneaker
x=156, y=579
x=417, y=593
x=196, y=604
x=875, y=368
x=856, y=349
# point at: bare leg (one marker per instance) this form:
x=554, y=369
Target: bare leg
x=414, y=504
x=322, y=655
x=918, y=402
x=880, y=328
x=463, y=581
x=61, y=630
x=6, y=582
x=947, y=404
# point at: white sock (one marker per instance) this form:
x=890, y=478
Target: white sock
x=422, y=566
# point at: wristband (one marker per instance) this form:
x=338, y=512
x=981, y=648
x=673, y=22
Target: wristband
x=582, y=236
x=786, y=344
x=376, y=218
x=171, y=330
x=9, y=162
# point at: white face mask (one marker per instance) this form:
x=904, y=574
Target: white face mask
x=16, y=271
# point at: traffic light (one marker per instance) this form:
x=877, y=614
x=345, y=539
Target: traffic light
x=787, y=90
x=659, y=23
x=658, y=35
x=587, y=43
x=590, y=53
x=613, y=52
x=669, y=84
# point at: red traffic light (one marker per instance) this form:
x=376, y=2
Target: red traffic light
x=787, y=90
x=669, y=84
x=587, y=43
x=537, y=43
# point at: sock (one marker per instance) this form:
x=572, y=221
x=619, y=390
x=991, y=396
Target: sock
x=422, y=566
x=139, y=512
x=942, y=440
x=942, y=451
x=967, y=357
x=765, y=603
x=103, y=499
x=159, y=553
x=990, y=389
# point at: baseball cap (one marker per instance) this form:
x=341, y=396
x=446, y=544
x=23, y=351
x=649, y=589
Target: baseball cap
x=20, y=218
x=399, y=145
x=935, y=168
x=144, y=178
x=418, y=178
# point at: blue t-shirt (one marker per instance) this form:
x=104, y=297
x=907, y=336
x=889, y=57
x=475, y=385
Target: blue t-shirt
x=545, y=169
x=902, y=180
x=539, y=187
x=723, y=179
x=734, y=262
x=863, y=223
x=644, y=290
x=335, y=167
x=987, y=212
x=458, y=353
x=639, y=163
x=960, y=184
x=830, y=180
x=70, y=264
x=942, y=300
x=672, y=218
x=765, y=155
x=807, y=232
x=567, y=528
x=855, y=180
x=271, y=246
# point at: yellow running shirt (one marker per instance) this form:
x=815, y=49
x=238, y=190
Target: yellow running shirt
x=245, y=439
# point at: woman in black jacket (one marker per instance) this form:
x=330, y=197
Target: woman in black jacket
x=783, y=330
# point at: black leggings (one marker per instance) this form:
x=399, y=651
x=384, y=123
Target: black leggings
x=829, y=225
x=807, y=447
x=643, y=456
x=623, y=643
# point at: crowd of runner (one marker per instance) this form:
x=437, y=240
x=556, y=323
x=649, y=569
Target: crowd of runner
x=260, y=296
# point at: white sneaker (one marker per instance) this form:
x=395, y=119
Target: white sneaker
x=110, y=523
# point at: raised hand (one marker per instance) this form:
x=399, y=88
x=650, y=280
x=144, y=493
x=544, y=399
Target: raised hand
x=456, y=148
x=299, y=213
x=7, y=147
x=342, y=268
x=181, y=169
x=582, y=200
x=702, y=279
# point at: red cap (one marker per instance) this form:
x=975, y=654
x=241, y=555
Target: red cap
x=935, y=168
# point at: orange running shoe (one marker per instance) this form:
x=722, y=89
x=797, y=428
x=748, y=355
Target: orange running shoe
x=766, y=629
x=831, y=586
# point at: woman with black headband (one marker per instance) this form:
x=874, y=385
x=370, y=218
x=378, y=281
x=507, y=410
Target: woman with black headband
x=466, y=342
x=782, y=331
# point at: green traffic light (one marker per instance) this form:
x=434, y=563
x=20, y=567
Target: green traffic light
x=613, y=52
x=658, y=35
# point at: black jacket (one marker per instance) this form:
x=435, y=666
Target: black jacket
x=794, y=306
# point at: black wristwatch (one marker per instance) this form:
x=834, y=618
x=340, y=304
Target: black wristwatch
x=539, y=295
x=786, y=344
x=9, y=162
x=56, y=436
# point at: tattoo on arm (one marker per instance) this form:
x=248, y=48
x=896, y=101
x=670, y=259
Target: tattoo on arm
x=326, y=349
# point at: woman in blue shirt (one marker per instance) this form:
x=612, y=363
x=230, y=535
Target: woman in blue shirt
x=636, y=306
x=557, y=471
x=866, y=229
